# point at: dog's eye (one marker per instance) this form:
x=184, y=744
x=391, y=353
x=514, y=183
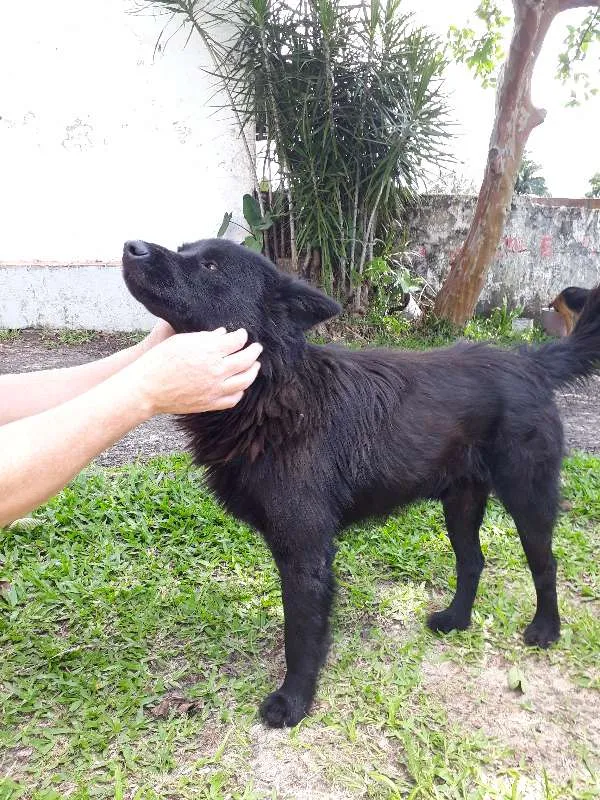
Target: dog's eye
x=210, y=265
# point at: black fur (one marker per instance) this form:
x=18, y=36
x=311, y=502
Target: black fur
x=328, y=436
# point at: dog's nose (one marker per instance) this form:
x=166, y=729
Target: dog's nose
x=137, y=249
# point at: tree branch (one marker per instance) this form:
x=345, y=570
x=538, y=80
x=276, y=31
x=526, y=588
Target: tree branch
x=565, y=5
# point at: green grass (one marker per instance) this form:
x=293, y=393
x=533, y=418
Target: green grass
x=9, y=334
x=136, y=585
x=68, y=337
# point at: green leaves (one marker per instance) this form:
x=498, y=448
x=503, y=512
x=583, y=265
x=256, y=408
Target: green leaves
x=594, y=186
x=480, y=45
x=253, y=243
x=516, y=680
x=578, y=42
x=527, y=181
x=227, y=217
x=257, y=223
x=348, y=104
x=251, y=211
x=482, y=50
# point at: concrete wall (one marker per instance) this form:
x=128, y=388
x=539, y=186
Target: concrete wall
x=91, y=296
x=546, y=246
x=102, y=139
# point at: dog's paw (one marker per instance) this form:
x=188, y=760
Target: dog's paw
x=280, y=710
x=446, y=621
x=542, y=632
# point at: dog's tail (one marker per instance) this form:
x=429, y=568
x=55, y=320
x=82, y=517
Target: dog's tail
x=574, y=357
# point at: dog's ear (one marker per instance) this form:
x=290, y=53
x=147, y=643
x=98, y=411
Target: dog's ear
x=306, y=305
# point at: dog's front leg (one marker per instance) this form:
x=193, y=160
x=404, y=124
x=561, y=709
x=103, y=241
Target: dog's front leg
x=307, y=588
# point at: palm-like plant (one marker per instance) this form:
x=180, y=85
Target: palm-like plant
x=528, y=182
x=348, y=102
x=594, y=186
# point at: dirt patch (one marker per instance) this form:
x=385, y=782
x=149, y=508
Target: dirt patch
x=289, y=771
x=580, y=411
x=32, y=350
x=547, y=727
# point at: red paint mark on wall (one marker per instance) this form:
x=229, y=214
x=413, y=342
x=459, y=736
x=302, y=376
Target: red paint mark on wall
x=514, y=245
x=546, y=246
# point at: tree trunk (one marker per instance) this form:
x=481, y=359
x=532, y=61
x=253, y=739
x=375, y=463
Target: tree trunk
x=516, y=116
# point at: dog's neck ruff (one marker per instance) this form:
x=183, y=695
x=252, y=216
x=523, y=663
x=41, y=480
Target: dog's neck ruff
x=286, y=402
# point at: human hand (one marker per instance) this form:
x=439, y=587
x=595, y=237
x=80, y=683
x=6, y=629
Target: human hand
x=194, y=372
x=161, y=331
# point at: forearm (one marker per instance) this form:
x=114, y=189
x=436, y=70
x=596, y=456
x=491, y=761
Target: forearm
x=39, y=455
x=29, y=393
x=186, y=374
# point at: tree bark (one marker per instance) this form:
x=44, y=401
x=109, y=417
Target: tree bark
x=516, y=116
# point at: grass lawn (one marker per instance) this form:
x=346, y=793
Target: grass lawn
x=140, y=626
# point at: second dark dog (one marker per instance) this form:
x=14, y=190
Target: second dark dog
x=569, y=304
x=328, y=436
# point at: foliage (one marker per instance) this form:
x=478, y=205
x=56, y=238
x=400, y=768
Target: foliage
x=498, y=326
x=389, y=276
x=594, y=186
x=348, y=103
x=577, y=46
x=380, y=328
x=527, y=182
x=258, y=223
x=9, y=334
x=482, y=50
x=391, y=282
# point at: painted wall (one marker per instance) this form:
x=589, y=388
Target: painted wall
x=102, y=139
x=92, y=296
x=546, y=246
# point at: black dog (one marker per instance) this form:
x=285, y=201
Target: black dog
x=328, y=436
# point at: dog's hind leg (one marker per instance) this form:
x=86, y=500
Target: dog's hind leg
x=526, y=480
x=534, y=512
x=307, y=588
x=464, y=507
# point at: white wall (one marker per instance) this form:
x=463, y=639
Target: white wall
x=92, y=296
x=102, y=140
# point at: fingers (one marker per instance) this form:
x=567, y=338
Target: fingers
x=242, y=380
x=242, y=360
x=232, y=342
x=229, y=401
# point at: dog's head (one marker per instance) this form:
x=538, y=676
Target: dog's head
x=214, y=283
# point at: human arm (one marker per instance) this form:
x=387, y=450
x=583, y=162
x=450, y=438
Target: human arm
x=28, y=393
x=188, y=373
